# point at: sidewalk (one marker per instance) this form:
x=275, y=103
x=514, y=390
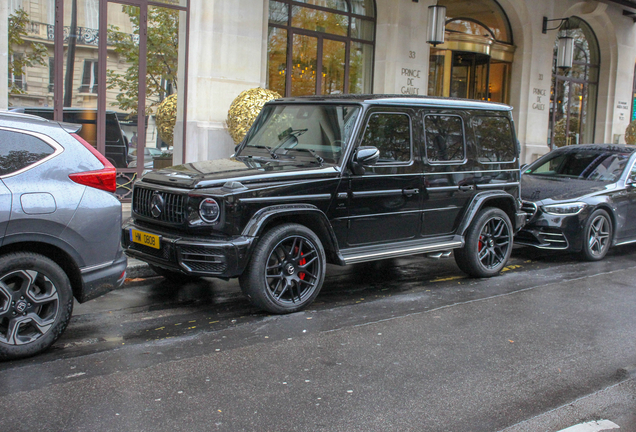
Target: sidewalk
x=136, y=269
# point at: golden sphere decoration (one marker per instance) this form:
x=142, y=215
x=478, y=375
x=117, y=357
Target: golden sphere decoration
x=166, y=118
x=244, y=110
x=630, y=133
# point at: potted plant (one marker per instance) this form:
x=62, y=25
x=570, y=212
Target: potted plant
x=164, y=160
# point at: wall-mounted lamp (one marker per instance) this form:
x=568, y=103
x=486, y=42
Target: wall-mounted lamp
x=436, y=25
x=565, y=47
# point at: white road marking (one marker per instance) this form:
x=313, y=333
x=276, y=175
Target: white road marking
x=593, y=426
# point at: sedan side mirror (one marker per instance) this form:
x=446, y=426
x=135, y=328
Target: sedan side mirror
x=364, y=156
x=631, y=181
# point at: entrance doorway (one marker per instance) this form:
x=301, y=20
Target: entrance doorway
x=475, y=61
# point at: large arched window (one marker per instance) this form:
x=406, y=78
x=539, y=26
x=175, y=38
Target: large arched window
x=475, y=60
x=320, y=46
x=574, y=90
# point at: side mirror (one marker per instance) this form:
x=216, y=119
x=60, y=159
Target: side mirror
x=364, y=156
x=631, y=182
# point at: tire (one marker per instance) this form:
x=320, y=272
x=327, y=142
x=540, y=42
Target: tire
x=174, y=276
x=597, y=236
x=286, y=271
x=488, y=244
x=36, y=303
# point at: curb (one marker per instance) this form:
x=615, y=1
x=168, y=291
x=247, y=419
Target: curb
x=138, y=269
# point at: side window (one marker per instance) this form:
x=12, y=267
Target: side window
x=444, y=138
x=495, y=142
x=19, y=150
x=391, y=134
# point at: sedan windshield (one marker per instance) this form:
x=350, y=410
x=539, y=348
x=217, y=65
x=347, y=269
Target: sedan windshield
x=586, y=164
x=314, y=133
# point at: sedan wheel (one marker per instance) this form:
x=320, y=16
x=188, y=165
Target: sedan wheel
x=36, y=303
x=597, y=236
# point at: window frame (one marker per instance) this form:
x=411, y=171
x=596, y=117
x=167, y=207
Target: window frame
x=15, y=78
x=93, y=78
x=57, y=149
x=425, y=139
x=321, y=36
x=411, y=159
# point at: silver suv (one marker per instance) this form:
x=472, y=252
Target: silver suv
x=59, y=230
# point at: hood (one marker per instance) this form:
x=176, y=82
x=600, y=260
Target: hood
x=537, y=188
x=215, y=173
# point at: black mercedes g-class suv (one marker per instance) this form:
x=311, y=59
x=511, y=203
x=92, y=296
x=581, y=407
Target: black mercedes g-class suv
x=337, y=180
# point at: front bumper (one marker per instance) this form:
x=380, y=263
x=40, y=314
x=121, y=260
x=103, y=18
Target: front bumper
x=546, y=231
x=197, y=256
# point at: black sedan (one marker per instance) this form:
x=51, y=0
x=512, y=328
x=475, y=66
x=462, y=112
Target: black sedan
x=581, y=199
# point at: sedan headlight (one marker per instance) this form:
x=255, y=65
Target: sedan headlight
x=568, y=209
x=209, y=210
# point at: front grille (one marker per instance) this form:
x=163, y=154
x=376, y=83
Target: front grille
x=529, y=208
x=553, y=238
x=174, y=205
x=203, y=259
x=548, y=238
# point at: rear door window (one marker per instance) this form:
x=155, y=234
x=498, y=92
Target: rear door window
x=19, y=150
x=444, y=138
x=495, y=140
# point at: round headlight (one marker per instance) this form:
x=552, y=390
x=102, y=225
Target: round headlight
x=209, y=210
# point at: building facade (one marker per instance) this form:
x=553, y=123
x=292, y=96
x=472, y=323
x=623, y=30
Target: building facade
x=206, y=52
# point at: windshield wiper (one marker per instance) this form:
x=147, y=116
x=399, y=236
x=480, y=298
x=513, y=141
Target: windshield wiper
x=318, y=158
x=269, y=150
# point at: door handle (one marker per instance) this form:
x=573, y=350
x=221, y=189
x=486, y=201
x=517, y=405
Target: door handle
x=409, y=192
x=466, y=187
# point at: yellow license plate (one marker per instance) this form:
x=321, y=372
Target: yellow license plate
x=145, y=239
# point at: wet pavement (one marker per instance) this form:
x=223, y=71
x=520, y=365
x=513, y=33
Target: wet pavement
x=396, y=345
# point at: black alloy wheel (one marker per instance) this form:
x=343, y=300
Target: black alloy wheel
x=597, y=236
x=286, y=271
x=36, y=303
x=488, y=244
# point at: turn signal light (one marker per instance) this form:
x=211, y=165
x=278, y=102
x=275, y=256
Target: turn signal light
x=104, y=179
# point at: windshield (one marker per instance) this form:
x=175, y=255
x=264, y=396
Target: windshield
x=594, y=165
x=317, y=133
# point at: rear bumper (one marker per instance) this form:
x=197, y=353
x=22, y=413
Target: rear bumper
x=207, y=257
x=99, y=280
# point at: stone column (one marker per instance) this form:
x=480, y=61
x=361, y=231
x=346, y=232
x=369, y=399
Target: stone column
x=226, y=57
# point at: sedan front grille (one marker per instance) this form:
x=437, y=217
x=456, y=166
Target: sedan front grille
x=174, y=205
x=529, y=208
x=545, y=238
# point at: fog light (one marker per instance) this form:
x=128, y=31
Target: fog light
x=209, y=210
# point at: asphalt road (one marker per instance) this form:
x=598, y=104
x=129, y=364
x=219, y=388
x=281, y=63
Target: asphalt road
x=398, y=345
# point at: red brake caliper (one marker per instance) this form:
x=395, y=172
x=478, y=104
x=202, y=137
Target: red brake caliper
x=481, y=244
x=302, y=262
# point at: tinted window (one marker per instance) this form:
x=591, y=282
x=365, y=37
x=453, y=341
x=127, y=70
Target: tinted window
x=596, y=165
x=391, y=134
x=444, y=138
x=495, y=142
x=18, y=150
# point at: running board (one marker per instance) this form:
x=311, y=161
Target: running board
x=395, y=250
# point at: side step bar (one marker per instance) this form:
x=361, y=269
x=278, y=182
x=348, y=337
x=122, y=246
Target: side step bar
x=395, y=250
